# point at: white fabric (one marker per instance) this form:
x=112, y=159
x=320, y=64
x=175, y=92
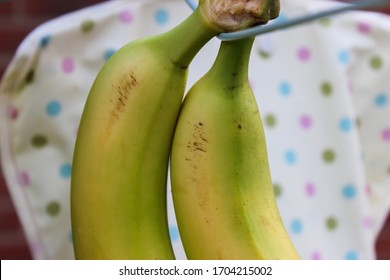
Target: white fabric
x=323, y=92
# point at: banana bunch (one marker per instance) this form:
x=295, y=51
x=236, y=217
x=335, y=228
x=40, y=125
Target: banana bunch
x=221, y=185
x=121, y=156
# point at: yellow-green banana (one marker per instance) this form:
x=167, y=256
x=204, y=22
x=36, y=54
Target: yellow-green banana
x=221, y=184
x=120, y=164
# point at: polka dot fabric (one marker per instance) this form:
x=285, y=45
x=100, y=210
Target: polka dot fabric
x=42, y=97
x=322, y=89
x=326, y=118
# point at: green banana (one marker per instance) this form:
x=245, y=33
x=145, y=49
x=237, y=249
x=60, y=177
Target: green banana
x=221, y=184
x=120, y=161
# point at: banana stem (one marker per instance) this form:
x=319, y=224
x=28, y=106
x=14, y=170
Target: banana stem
x=233, y=59
x=189, y=37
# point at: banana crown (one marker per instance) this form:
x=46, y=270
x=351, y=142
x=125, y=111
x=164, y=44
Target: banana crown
x=232, y=15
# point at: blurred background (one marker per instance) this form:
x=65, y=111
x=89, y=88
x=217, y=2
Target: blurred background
x=17, y=19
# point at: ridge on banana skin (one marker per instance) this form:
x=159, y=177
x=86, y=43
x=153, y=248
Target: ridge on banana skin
x=120, y=161
x=221, y=184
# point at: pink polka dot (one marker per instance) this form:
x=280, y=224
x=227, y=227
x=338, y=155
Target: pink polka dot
x=68, y=65
x=316, y=256
x=368, y=190
x=126, y=16
x=350, y=87
x=304, y=54
x=12, y=113
x=23, y=179
x=367, y=222
x=364, y=27
x=310, y=189
x=386, y=134
x=35, y=248
x=306, y=121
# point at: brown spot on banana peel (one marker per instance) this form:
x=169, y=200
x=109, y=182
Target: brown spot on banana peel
x=195, y=146
x=200, y=149
x=181, y=66
x=199, y=140
x=124, y=88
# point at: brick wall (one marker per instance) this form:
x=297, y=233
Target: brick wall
x=17, y=19
x=383, y=242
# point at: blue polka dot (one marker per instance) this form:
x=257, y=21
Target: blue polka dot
x=174, y=233
x=381, y=100
x=161, y=16
x=45, y=41
x=349, y=191
x=65, y=170
x=108, y=53
x=290, y=157
x=351, y=255
x=343, y=57
x=285, y=88
x=296, y=226
x=53, y=108
x=345, y=124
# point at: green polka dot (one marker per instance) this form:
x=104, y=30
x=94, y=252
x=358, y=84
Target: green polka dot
x=30, y=76
x=326, y=88
x=87, y=26
x=331, y=223
x=270, y=120
x=39, y=141
x=264, y=54
x=328, y=156
x=325, y=21
x=53, y=208
x=376, y=62
x=277, y=190
x=358, y=122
